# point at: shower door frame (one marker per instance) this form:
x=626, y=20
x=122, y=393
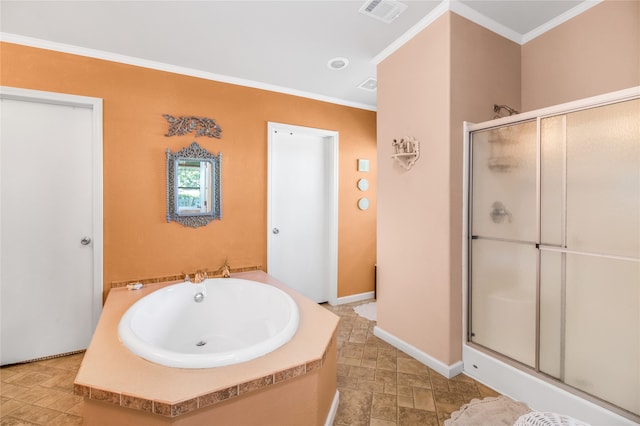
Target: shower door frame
x=529, y=384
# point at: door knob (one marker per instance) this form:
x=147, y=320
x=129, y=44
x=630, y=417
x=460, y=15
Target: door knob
x=85, y=241
x=276, y=231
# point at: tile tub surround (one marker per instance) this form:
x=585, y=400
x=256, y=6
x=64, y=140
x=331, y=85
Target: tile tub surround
x=112, y=378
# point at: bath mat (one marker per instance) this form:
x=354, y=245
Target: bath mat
x=368, y=310
x=492, y=411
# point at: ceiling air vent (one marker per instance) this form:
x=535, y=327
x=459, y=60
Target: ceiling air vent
x=383, y=10
x=370, y=84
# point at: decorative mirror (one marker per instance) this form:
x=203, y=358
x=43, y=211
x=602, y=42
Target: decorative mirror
x=193, y=186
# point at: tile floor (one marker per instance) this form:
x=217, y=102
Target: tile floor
x=382, y=386
x=40, y=393
x=379, y=385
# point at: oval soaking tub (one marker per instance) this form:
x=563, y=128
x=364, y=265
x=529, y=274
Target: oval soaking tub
x=237, y=320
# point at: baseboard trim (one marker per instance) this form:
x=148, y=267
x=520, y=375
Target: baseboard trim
x=447, y=371
x=331, y=416
x=353, y=298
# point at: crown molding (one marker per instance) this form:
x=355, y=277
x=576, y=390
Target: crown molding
x=465, y=11
x=160, y=66
x=560, y=19
x=437, y=12
x=488, y=23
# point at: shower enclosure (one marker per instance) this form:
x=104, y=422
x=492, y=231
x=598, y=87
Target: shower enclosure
x=553, y=245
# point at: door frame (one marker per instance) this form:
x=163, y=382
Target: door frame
x=331, y=210
x=95, y=105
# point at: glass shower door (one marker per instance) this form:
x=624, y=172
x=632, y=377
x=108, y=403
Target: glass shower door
x=590, y=251
x=503, y=253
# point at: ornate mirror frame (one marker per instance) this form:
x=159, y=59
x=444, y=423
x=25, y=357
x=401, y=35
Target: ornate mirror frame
x=194, y=153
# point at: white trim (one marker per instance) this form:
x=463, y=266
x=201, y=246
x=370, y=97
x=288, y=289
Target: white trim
x=447, y=371
x=353, y=298
x=95, y=104
x=437, y=12
x=536, y=393
x=331, y=416
x=333, y=139
x=558, y=20
x=144, y=63
x=482, y=20
x=473, y=15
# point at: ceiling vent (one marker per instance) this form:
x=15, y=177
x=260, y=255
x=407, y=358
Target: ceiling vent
x=370, y=84
x=383, y=10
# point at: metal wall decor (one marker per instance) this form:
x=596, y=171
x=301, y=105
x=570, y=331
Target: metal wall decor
x=193, y=186
x=202, y=126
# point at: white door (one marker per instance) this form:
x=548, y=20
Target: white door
x=302, y=211
x=51, y=235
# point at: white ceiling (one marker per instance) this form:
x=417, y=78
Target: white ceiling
x=276, y=45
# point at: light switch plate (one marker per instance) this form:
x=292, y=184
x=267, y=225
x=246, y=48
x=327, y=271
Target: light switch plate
x=363, y=165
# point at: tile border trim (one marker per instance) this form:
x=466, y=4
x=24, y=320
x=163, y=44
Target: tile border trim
x=180, y=277
x=201, y=401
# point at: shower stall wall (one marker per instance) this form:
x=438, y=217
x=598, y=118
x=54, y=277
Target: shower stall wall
x=553, y=246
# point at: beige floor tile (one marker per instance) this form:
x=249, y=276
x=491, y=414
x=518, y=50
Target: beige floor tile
x=66, y=419
x=380, y=422
x=8, y=406
x=76, y=409
x=369, y=363
x=413, y=417
x=35, y=414
x=405, y=401
x=362, y=373
x=31, y=395
x=450, y=398
x=410, y=365
x=28, y=379
x=391, y=388
x=412, y=380
x=354, y=408
x=385, y=376
x=384, y=407
x=12, y=421
x=370, y=386
x=423, y=399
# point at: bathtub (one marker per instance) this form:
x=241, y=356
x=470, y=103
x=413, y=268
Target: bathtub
x=235, y=321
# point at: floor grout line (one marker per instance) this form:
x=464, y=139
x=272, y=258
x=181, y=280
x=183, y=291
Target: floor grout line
x=417, y=380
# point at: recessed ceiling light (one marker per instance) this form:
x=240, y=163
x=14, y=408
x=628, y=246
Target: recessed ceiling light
x=338, y=63
x=370, y=84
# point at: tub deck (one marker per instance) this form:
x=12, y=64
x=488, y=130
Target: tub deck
x=113, y=377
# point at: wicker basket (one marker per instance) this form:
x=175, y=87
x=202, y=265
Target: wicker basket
x=537, y=418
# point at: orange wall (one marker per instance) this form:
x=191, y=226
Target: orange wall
x=596, y=52
x=453, y=70
x=138, y=242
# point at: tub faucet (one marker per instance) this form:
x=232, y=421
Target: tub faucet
x=226, y=269
x=199, y=277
